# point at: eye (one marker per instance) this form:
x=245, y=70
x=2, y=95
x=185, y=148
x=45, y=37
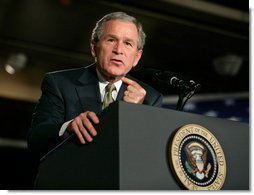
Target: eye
x=128, y=43
x=110, y=40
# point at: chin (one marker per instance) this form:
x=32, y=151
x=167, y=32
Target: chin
x=116, y=72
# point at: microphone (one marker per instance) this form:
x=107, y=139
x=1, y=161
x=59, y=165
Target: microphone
x=186, y=87
x=165, y=77
x=194, y=86
x=169, y=78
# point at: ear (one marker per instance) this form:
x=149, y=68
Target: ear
x=138, y=56
x=93, y=49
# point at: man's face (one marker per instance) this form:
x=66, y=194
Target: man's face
x=117, y=51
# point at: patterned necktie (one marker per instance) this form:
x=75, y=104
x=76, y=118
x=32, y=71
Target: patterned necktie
x=108, y=95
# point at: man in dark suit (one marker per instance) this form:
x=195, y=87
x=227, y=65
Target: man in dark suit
x=72, y=99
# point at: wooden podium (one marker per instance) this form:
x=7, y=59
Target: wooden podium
x=130, y=152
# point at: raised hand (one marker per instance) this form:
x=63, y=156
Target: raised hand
x=134, y=92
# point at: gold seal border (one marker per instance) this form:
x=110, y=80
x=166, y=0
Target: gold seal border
x=179, y=135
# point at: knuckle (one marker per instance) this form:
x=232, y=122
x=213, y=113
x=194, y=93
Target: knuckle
x=75, y=120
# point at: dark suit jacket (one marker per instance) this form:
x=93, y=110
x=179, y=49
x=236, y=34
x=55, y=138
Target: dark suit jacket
x=66, y=94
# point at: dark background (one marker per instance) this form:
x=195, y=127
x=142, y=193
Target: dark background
x=55, y=34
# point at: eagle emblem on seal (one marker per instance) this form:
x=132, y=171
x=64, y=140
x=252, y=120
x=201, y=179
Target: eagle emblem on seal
x=196, y=162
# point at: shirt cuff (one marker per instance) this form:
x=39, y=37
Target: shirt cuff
x=64, y=127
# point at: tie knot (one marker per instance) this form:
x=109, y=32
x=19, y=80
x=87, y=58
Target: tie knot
x=110, y=87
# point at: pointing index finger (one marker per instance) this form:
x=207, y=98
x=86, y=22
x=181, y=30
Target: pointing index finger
x=129, y=81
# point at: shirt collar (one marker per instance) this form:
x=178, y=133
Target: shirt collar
x=103, y=83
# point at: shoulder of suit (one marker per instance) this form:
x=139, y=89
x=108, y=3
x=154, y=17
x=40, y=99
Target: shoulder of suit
x=66, y=71
x=72, y=72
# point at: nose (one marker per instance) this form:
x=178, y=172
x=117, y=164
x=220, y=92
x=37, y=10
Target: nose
x=118, y=48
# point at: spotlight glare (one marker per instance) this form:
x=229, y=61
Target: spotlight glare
x=9, y=69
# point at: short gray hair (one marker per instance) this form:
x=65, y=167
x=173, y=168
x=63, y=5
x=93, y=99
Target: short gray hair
x=98, y=29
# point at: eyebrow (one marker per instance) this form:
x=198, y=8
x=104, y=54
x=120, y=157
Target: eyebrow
x=115, y=37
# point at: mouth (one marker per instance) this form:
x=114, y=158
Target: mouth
x=116, y=61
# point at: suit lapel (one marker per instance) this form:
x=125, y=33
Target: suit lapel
x=121, y=92
x=88, y=90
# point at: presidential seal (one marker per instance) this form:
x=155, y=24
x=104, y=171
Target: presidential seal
x=197, y=159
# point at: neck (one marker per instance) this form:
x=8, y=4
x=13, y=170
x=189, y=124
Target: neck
x=112, y=79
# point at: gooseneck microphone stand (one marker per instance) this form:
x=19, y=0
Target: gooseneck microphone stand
x=185, y=92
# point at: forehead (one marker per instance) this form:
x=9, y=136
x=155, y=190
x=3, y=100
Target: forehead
x=121, y=28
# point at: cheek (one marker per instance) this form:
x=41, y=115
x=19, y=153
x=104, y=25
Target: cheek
x=103, y=54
